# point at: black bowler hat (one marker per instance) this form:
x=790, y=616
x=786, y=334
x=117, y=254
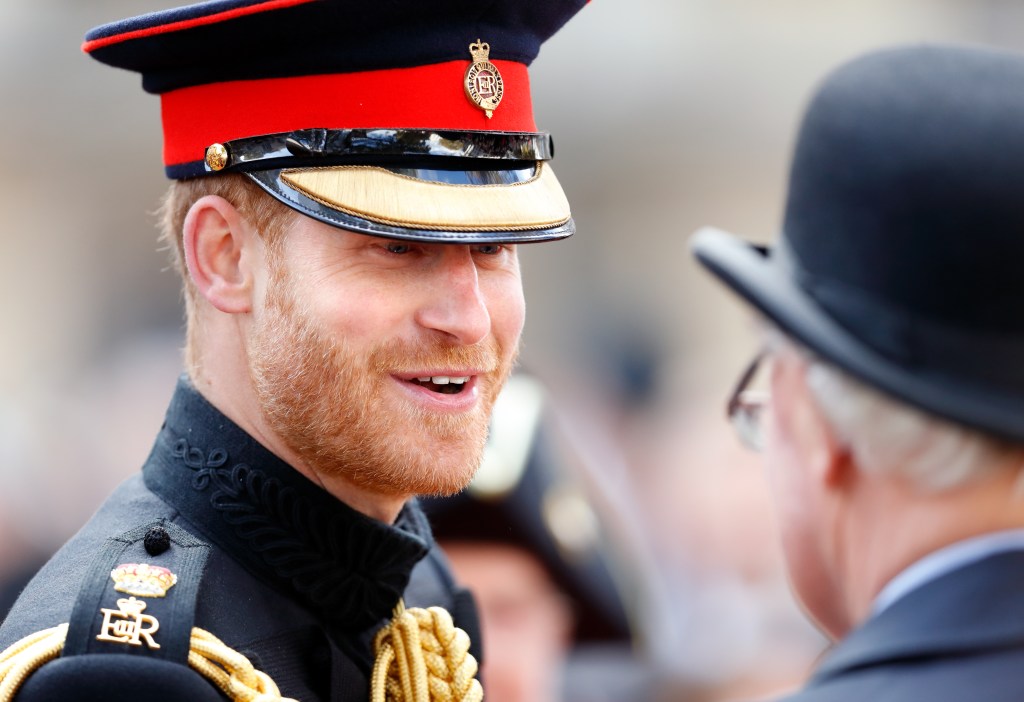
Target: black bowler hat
x=406, y=119
x=901, y=258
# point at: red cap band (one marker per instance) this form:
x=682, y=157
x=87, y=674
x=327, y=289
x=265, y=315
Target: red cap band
x=422, y=97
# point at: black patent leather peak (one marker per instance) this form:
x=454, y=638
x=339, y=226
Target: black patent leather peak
x=325, y=147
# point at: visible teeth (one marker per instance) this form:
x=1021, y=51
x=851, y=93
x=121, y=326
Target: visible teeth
x=443, y=380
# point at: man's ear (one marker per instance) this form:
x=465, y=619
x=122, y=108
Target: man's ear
x=825, y=452
x=219, y=247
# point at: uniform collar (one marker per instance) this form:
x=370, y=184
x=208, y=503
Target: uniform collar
x=346, y=567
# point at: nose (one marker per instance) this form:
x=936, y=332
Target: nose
x=455, y=304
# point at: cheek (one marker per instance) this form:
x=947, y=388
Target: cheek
x=801, y=529
x=789, y=498
x=358, y=312
x=507, y=309
x=788, y=494
x=777, y=457
x=784, y=467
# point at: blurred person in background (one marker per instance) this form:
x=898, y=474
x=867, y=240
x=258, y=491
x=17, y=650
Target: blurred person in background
x=892, y=427
x=535, y=551
x=351, y=182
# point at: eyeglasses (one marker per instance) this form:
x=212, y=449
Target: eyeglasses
x=747, y=408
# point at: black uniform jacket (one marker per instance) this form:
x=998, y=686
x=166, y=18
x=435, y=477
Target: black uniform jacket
x=957, y=638
x=264, y=559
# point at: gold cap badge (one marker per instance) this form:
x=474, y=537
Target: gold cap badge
x=142, y=579
x=483, y=84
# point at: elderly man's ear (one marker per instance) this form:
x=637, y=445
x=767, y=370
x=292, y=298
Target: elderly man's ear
x=221, y=250
x=825, y=454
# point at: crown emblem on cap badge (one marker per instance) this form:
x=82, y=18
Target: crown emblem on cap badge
x=142, y=579
x=483, y=83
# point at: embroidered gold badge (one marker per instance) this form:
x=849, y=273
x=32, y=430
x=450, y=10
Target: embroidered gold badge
x=142, y=579
x=483, y=83
x=128, y=625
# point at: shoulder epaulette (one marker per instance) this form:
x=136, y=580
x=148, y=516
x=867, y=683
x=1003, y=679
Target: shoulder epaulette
x=131, y=634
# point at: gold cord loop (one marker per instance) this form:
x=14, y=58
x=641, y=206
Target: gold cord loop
x=423, y=657
x=226, y=668
x=230, y=671
x=21, y=658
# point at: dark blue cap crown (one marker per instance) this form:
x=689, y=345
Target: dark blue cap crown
x=226, y=40
x=904, y=232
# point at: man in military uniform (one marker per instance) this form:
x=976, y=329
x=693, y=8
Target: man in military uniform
x=351, y=180
x=893, y=429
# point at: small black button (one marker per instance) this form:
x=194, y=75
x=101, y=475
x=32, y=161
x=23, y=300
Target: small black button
x=157, y=541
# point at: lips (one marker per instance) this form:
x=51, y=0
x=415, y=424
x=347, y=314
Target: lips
x=443, y=384
x=448, y=390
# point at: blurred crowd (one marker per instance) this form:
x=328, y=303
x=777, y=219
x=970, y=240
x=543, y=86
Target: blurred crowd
x=624, y=495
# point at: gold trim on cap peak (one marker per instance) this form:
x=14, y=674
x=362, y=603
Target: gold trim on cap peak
x=378, y=195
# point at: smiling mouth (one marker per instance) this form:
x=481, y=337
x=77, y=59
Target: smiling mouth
x=442, y=384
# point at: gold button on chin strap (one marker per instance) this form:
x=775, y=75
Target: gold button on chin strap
x=423, y=657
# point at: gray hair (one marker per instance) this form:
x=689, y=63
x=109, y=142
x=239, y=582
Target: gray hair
x=888, y=436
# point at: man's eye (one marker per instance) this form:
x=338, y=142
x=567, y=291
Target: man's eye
x=489, y=249
x=397, y=248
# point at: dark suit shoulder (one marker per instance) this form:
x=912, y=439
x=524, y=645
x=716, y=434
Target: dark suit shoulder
x=48, y=598
x=957, y=637
x=993, y=676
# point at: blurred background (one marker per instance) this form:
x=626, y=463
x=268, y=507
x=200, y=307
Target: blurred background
x=667, y=114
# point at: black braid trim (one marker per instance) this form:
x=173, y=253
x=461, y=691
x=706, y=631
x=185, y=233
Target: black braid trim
x=351, y=570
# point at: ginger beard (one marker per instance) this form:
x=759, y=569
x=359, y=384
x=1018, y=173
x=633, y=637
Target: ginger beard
x=328, y=403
